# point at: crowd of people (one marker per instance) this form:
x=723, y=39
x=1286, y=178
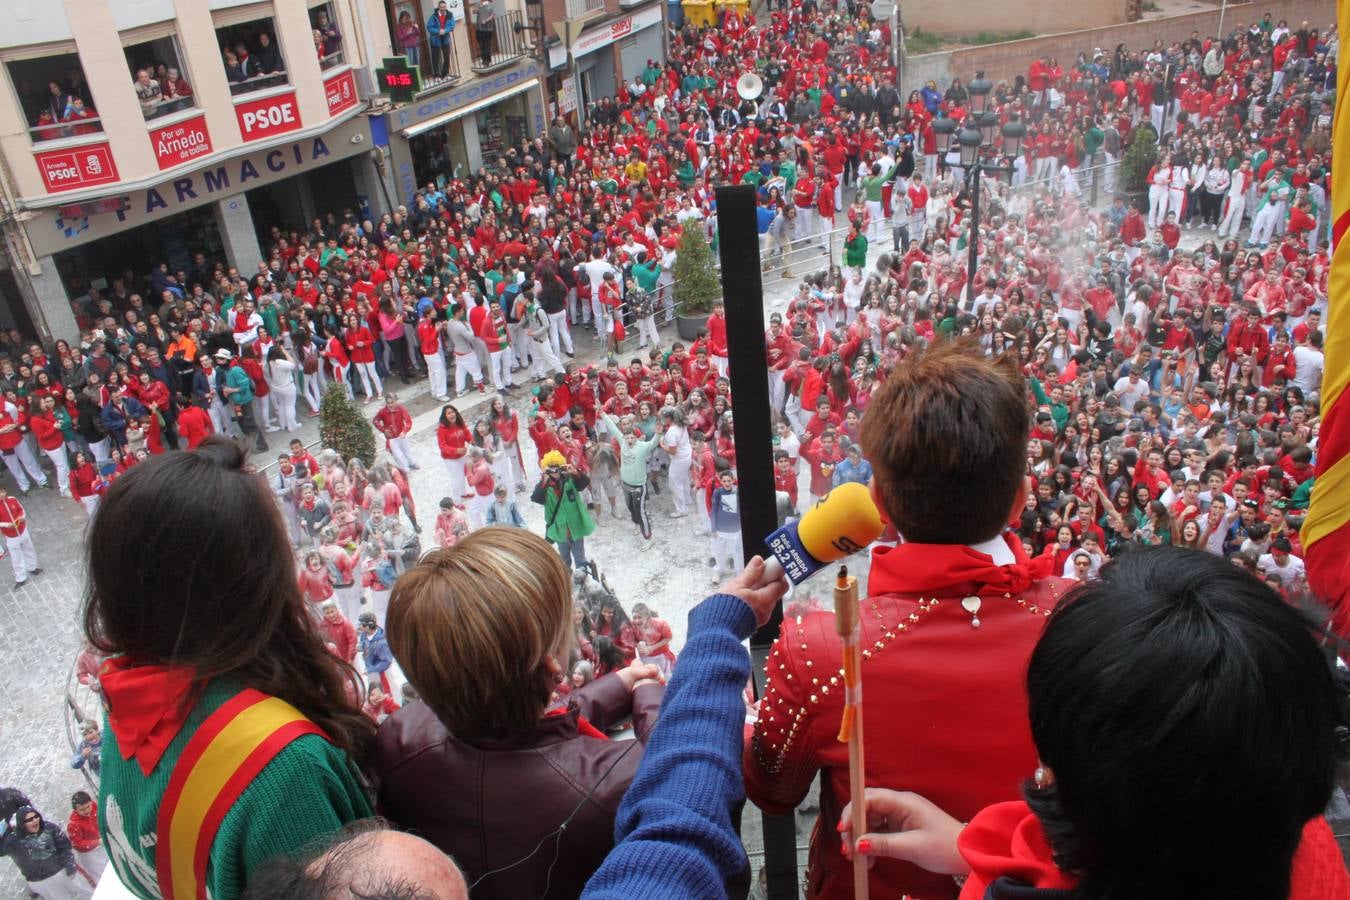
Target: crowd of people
x=1174, y=387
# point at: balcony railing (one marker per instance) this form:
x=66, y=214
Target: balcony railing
x=427, y=64
x=259, y=83
x=506, y=42
x=55, y=131
x=579, y=9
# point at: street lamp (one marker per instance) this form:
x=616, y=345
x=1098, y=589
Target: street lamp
x=976, y=140
x=945, y=129
x=979, y=91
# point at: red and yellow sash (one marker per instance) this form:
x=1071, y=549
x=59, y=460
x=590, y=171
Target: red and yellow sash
x=227, y=752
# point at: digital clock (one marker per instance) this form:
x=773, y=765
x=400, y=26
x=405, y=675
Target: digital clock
x=398, y=79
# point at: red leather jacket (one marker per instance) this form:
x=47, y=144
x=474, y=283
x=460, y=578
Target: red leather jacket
x=490, y=805
x=945, y=713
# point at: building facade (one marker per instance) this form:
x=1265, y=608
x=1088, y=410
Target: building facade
x=140, y=133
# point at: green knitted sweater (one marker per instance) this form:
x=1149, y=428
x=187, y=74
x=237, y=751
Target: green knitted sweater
x=308, y=790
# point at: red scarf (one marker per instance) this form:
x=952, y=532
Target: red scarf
x=147, y=706
x=950, y=569
x=1007, y=839
x=584, y=728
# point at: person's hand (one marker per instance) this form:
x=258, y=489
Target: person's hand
x=758, y=592
x=638, y=672
x=903, y=825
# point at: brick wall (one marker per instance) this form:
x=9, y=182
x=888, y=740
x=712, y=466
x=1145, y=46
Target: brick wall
x=1010, y=59
x=1036, y=16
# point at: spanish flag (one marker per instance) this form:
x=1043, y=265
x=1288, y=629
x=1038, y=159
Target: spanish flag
x=1326, y=530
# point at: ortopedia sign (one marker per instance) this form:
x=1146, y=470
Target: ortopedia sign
x=268, y=117
x=340, y=91
x=180, y=142
x=73, y=168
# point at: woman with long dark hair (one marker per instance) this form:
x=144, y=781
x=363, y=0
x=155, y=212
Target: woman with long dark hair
x=216, y=677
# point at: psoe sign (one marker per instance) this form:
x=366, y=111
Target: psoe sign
x=73, y=168
x=268, y=117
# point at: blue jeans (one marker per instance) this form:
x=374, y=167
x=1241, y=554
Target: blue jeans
x=573, y=553
x=414, y=56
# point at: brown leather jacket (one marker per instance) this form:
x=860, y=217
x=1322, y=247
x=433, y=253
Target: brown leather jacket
x=489, y=806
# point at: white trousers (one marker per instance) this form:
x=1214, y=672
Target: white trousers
x=458, y=485
x=1157, y=204
x=476, y=509
x=647, y=332
x=17, y=464
x=1263, y=224
x=401, y=452
x=58, y=458
x=340, y=375
x=545, y=360
x=726, y=548
x=1232, y=216
x=92, y=861
x=284, y=401
x=559, y=336
x=679, y=483
x=62, y=887
x=368, y=377
x=22, y=555
x=467, y=371
x=499, y=367
x=314, y=390
x=874, y=228
x=436, y=373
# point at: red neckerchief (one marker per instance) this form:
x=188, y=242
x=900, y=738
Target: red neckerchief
x=1005, y=839
x=147, y=706
x=913, y=568
x=584, y=728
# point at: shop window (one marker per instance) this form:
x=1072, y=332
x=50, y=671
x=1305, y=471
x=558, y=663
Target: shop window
x=158, y=77
x=55, y=97
x=327, y=36
x=252, y=56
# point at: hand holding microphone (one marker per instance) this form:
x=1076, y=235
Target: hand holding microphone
x=841, y=523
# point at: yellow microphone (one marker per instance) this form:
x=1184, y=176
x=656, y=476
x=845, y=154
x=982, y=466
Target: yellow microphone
x=841, y=523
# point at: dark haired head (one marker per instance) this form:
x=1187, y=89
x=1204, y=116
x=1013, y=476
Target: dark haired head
x=189, y=565
x=1190, y=721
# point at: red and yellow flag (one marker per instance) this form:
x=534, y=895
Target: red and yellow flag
x=1326, y=530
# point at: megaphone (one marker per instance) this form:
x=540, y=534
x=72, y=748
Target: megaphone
x=749, y=86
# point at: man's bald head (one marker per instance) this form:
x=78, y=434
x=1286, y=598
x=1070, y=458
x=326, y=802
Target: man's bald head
x=366, y=860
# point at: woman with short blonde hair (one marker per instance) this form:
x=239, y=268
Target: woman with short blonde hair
x=483, y=659
x=482, y=767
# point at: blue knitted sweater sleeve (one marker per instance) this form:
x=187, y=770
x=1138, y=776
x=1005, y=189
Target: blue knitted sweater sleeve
x=674, y=835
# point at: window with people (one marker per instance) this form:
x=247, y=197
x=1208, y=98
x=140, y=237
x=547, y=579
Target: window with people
x=251, y=56
x=158, y=78
x=323, y=22
x=55, y=97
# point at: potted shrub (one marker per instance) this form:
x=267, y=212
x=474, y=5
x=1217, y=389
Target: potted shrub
x=697, y=283
x=344, y=428
x=1139, y=159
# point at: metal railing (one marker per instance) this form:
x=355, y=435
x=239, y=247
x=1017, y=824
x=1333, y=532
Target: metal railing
x=55, y=131
x=430, y=79
x=166, y=107
x=577, y=9
x=500, y=44
x=259, y=83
